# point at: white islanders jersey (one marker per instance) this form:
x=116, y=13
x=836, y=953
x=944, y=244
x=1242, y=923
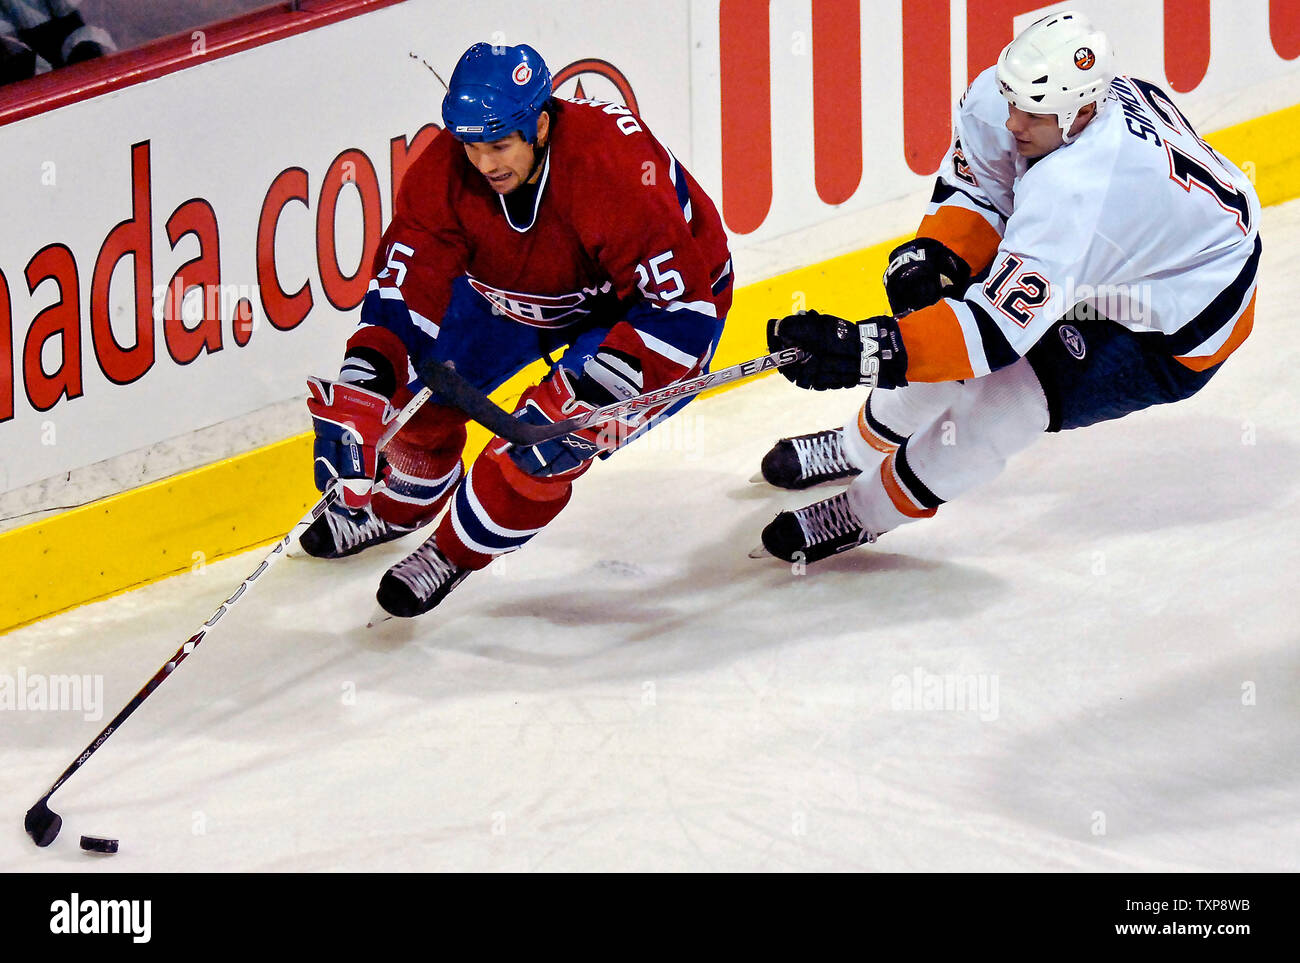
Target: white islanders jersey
x=1137, y=217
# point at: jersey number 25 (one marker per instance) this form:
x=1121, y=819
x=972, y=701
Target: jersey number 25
x=662, y=276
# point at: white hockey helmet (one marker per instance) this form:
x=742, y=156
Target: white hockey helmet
x=1058, y=65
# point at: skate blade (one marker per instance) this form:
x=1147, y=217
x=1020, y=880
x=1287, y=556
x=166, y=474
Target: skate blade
x=378, y=617
x=758, y=479
x=760, y=552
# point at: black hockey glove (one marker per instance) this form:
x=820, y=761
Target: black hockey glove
x=17, y=60
x=921, y=272
x=843, y=354
x=86, y=50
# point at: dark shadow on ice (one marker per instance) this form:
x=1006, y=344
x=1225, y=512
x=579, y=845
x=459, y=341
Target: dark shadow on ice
x=716, y=605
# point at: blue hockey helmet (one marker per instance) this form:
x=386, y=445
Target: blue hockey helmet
x=495, y=91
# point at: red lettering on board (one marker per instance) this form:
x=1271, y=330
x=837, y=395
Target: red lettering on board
x=745, y=72
x=1284, y=28
x=990, y=26
x=131, y=238
x=184, y=344
x=837, y=98
x=927, y=103
x=62, y=319
x=6, y=352
x=346, y=291
x=402, y=154
x=1187, y=43
x=284, y=311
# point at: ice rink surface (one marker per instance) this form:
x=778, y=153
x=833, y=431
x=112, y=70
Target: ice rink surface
x=1091, y=664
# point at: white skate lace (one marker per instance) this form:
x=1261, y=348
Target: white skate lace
x=425, y=570
x=349, y=533
x=822, y=453
x=829, y=520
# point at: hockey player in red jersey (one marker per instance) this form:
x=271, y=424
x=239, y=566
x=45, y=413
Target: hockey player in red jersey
x=530, y=225
x=1085, y=255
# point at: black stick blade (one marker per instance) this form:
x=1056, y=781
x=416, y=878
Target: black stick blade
x=42, y=824
x=451, y=388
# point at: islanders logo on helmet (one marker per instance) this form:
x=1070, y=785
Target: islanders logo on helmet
x=495, y=91
x=1084, y=58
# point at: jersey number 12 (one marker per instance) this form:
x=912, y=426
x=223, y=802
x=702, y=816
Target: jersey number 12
x=1186, y=170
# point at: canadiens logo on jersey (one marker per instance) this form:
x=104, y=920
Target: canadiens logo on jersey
x=539, y=310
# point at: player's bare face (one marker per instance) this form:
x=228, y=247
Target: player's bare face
x=1039, y=134
x=1035, y=134
x=506, y=163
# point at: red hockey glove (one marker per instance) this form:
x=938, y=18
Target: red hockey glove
x=551, y=401
x=842, y=354
x=349, y=421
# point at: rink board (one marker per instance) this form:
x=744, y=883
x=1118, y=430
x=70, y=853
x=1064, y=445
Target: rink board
x=170, y=527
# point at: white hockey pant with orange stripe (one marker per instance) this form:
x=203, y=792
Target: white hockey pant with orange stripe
x=925, y=444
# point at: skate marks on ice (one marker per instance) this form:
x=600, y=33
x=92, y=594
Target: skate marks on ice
x=692, y=601
x=1191, y=770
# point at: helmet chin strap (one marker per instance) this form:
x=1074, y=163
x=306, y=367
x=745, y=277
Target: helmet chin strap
x=1065, y=131
x=539, y=151
x=539, y=155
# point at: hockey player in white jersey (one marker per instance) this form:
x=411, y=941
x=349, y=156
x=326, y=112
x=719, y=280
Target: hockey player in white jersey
x=1085, y=255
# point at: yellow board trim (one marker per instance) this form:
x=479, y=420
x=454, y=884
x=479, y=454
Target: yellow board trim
x=1267, y=149
x=170, y=526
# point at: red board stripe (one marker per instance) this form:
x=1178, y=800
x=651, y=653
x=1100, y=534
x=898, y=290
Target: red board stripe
x=1284, y=27
x=927, y=102
x=990, y=26
x=1187, y=43
x=837, y=98
x=746, y=87
x=82, y=81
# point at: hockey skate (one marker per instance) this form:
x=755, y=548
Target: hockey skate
x=807, y=460
x=339, y=533
x=419, y=582
x=814, y=532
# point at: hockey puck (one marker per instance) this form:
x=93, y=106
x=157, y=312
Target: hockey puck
x=98, y=844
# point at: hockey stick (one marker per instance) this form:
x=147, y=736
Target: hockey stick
x=459, y=393
x=42, y=823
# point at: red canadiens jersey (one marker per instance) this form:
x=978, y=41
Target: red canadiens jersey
x=617, y=223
